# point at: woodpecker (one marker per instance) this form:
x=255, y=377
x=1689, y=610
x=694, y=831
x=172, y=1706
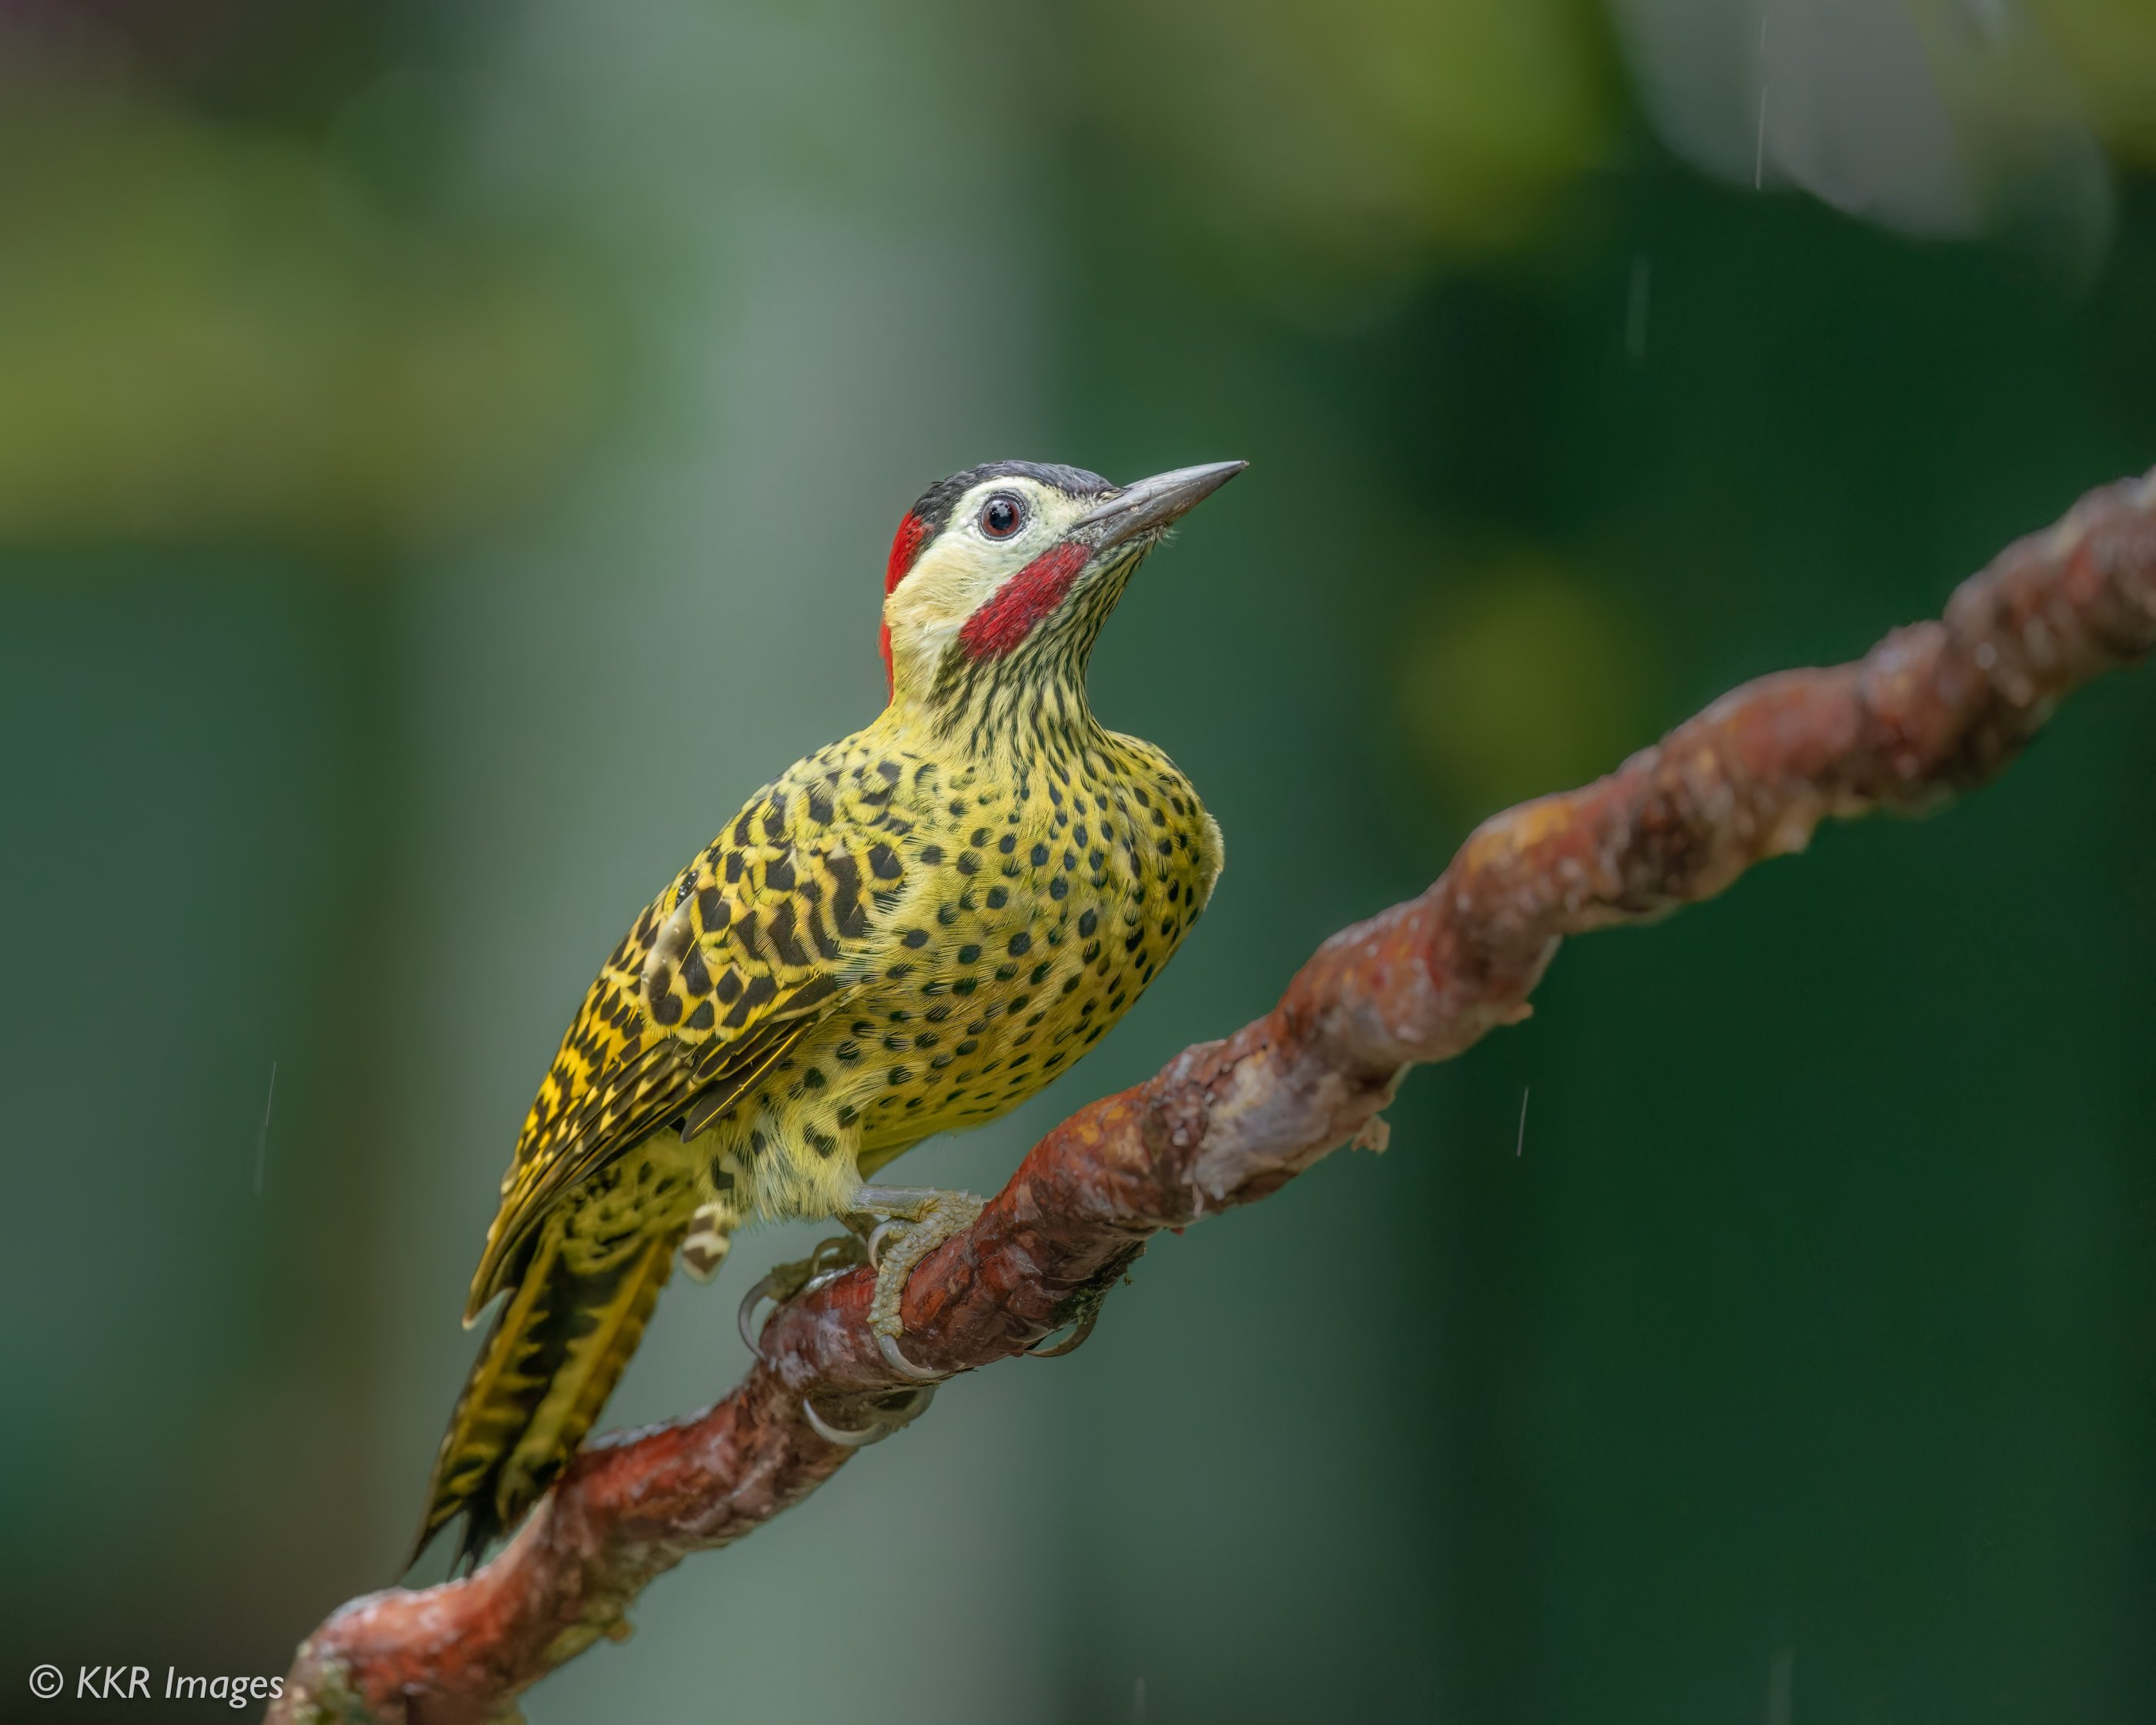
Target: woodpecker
x=907, y=933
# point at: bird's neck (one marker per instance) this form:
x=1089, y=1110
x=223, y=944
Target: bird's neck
x=1008, y=709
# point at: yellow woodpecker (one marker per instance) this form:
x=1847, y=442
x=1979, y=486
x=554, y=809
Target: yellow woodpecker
x=909, y=932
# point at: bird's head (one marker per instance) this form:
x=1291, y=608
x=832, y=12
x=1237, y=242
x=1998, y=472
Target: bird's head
x=1001, y=575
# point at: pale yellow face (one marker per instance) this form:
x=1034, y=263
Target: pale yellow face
x=965, y=566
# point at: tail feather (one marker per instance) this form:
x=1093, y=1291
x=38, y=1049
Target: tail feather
x=551, y=1357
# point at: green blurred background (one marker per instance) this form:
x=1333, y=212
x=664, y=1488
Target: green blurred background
x=446, y=455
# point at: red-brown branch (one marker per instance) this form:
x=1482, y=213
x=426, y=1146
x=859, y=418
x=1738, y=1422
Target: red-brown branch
x=1932, y=710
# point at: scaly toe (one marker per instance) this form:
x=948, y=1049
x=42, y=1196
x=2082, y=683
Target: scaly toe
x=933, y=1218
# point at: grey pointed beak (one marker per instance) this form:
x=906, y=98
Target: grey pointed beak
x=1152, y=504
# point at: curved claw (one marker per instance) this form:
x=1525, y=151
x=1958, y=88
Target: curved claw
x=827, y=1261
x=752, y=1332
x=1070, y=1343
x=916, y=1404
x=888, y=1347
x=830, y=1433
x=875, y=1241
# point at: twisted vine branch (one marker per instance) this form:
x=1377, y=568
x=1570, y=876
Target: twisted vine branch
x=1932, y=710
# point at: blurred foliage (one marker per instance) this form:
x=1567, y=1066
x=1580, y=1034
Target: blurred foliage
x=2109, y=47
x=1318, y=158
x=212, y=331
x=1947, y=119
x=1525, y=677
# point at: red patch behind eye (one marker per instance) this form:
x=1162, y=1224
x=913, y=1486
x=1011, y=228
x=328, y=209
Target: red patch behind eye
x=1022, y=602
x=905, y=546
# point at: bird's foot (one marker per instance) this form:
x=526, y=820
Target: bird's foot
x=1085, y=1312
x=910, y=1223
x=888, y=1412
x=830, y=1258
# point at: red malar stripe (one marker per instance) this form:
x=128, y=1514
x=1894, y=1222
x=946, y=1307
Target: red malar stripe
x=1022, y=602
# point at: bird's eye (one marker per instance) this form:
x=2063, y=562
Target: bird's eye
x=1002, y=515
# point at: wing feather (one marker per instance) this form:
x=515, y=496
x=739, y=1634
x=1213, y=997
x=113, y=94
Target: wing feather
x=746, y=950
